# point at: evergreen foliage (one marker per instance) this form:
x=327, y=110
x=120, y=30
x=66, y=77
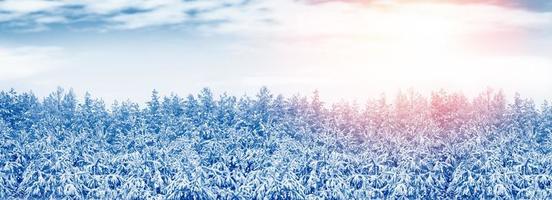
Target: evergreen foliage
x=271, y=147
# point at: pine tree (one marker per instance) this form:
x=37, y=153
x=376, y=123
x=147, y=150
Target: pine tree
x=153, y=113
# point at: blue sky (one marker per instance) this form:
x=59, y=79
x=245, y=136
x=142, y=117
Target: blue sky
x=122, y=49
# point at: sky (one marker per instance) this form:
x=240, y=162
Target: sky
x=346, y=49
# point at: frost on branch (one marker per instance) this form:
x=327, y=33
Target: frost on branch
x=271, y=147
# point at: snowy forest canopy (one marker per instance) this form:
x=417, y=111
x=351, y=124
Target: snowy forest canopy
x=445, y=146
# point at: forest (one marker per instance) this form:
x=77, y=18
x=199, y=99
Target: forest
x=268, y=146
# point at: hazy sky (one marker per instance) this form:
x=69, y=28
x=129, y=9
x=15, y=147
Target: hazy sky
x=122, y=49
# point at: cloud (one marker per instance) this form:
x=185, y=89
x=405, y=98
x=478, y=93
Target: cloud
x=28, y=6
x=534, y=5
x=110, y=14
x=165, y=15
x=22, y=62
x=257, y=16
x=343, y=17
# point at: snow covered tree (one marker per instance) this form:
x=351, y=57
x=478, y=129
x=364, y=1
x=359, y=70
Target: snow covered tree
x=272, y=147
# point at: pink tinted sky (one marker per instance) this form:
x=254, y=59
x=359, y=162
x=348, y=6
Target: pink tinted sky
x=346, y=49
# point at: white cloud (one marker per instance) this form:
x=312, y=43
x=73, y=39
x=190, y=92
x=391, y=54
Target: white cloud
x=118, y=14
x=22, y=62
x=28, y=6
x=339, y=18
x=105, y=6
x=16, y=10
x=260, y=17
x=397, y=45
x=163, y=14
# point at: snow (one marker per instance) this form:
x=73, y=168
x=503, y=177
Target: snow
x=265, y=147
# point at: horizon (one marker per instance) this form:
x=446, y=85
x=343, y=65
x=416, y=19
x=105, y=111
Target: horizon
x=390, y=100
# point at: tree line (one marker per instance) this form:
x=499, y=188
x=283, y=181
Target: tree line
x=267, y=146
